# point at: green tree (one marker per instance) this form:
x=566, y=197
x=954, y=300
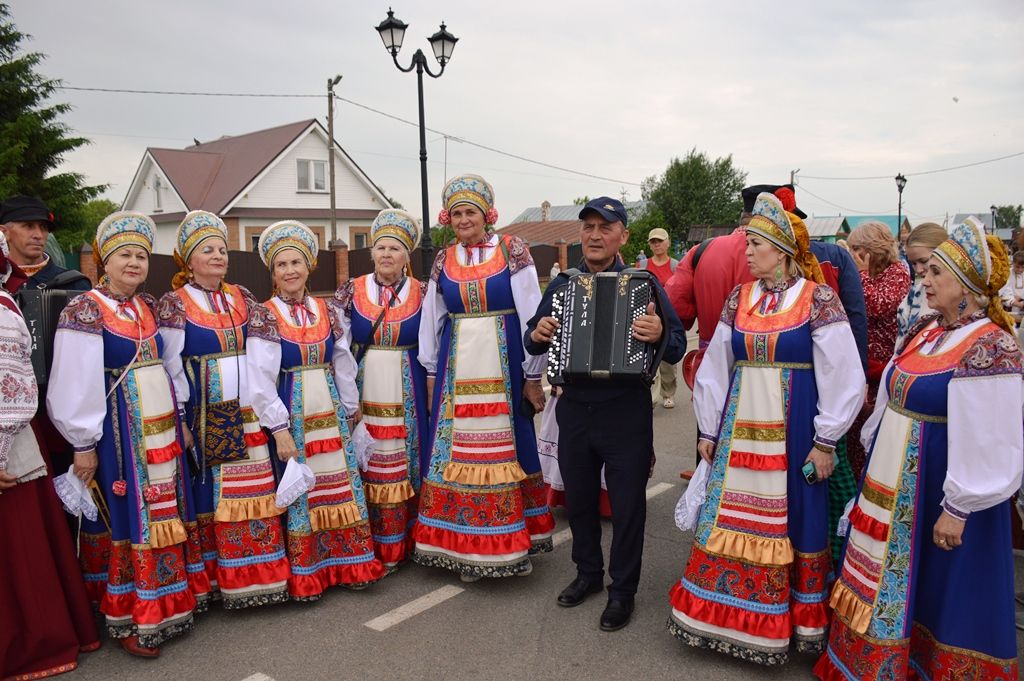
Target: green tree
x=33, y=140
x=695, y=190
x=1008, y=217
x=581, y=201
x=442, y=235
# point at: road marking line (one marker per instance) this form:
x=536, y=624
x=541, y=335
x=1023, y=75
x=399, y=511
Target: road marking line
x=412, y=608
x=258, y=677
x=658, y=489
x=565, y=535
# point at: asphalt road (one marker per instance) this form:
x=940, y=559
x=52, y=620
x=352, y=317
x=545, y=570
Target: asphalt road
x=492, y=629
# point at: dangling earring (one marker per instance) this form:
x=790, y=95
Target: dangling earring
x=778, y=273
x=962, y=306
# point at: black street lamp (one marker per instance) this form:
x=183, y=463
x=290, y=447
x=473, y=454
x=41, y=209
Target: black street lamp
x=392, y=31
x=993, y=209
x=901, y=182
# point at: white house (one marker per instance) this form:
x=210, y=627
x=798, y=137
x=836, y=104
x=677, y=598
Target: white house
x=254, y=180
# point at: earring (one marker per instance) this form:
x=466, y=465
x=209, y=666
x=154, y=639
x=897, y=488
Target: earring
x=778, y=273
x=962, y=306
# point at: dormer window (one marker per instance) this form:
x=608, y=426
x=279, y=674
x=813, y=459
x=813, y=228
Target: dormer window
x=312, y=175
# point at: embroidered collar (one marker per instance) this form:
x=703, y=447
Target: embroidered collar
x=33, y=270
x=963, y=321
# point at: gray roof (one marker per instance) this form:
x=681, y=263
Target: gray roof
x=981, y=216
x=824, y=226
x=633, y=209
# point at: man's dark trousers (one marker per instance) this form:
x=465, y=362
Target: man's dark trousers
x=619, y=435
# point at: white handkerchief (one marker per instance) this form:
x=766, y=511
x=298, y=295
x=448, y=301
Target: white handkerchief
x=363, y=445
x=688, y=506
x=298, y=479
x=74, y=495
x=843, y=528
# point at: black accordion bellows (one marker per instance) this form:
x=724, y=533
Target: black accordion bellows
x=594, y=342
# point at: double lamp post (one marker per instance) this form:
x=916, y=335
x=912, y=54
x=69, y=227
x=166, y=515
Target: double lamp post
x=392, y=32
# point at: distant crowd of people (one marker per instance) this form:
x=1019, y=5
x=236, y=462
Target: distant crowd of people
x=860, y=409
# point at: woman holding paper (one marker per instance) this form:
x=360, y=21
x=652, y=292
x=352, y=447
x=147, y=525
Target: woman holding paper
x=299, y=373
x=117, y=407
x=381, y=313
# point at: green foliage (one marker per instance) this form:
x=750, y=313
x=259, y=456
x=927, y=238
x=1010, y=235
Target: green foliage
x=581, y=201
x=1008, y=217
x=33, y=140
x=695, y=190
x=639, y=228
x=442, y=235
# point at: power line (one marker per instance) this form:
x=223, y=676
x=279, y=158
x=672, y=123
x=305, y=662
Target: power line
x=361, y=106
x=836, y=205
x=922, y=172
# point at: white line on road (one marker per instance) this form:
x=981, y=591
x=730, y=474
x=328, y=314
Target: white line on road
x=258, y=677
x=412, y=608
x=565, y=535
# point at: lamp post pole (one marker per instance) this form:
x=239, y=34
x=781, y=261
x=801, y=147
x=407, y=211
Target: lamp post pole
x=993, y=209
x=331, y=82
x=901, y=182
x=392, y=32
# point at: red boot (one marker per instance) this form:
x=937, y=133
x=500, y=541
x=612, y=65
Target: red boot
x=132, y=647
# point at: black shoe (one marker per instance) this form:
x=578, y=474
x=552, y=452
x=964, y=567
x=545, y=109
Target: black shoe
x=577, y=592
x=616, y=614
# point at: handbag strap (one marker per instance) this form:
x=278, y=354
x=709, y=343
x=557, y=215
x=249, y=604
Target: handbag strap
x=380, y=319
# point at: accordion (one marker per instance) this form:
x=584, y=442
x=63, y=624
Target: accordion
x=594, y=342
x=41, y=309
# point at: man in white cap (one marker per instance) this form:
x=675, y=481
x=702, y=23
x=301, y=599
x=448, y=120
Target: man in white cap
x=661, y=265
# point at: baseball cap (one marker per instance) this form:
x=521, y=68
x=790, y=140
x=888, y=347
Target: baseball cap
x=25, y=209
x=610, y=209
x=657, y=233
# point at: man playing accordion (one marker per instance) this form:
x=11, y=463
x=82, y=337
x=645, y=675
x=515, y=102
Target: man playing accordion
x=606, y=425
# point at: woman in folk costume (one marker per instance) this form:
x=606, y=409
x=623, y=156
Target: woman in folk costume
x=204, y=322
x=926, y=585
x=117, y=407
x=380, y=313
x=482, y=508
x=46, y=619
x=781, y=382
x=298, y=364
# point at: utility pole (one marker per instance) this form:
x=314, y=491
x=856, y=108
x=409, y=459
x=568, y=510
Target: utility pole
x=792, y=176
x=331, y=82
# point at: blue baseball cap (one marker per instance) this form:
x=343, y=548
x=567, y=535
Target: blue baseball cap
x=610, y=209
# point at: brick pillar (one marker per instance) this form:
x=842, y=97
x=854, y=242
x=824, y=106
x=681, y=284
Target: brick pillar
x=563, y=254
x=86, y=265
x=340, y=249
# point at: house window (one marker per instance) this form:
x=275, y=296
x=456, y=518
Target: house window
x=255, y=242
x=312, y=175
x=360, y=237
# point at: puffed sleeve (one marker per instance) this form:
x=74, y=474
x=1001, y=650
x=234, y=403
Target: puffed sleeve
x=79, y=407
x=711, y=384
x=984, y=404
x=838, y=374
x=19, y=396
x=527, y=296
x=344, y=362
x=171, y=317
x=432, y=319
x=263, y=364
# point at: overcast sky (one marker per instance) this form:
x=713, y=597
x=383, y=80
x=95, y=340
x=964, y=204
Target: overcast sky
x=613, y=89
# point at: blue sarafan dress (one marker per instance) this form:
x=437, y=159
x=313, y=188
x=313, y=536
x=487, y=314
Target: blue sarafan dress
x=945, y=436
x=393, y=397
x=141, y=557
x=204, y=333
x=482, y=507
x=781, y=374
x=296, y=351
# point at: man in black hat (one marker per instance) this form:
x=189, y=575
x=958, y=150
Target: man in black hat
x=26, y=222
x=606, y=426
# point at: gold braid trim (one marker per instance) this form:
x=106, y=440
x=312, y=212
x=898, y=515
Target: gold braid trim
x=390, y=493
x=750, y=548
x=850, y=607
x=1000, y=274
x=235, y=510
x=483, y=474
x=334, y=517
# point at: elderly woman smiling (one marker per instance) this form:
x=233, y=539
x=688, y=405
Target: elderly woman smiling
x=929, y=547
